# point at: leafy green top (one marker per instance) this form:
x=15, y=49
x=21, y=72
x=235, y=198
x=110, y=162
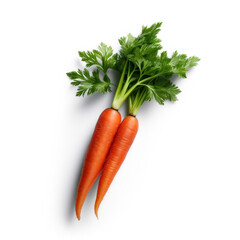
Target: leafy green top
x=145, y=73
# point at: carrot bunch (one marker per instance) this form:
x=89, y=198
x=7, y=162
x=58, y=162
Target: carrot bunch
x=146, y=74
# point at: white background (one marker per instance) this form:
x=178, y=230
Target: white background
x=181, y=178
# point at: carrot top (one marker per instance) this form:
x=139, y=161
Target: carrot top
x=146, y=72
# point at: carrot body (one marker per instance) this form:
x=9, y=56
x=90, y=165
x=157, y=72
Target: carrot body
x=117, y=153
x=102, y=138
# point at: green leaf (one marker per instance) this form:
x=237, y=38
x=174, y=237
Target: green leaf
x=105, y=51
x=73, y=75
x=150, y=33
x=180, y=63
x=90, y=58
x=152, y=93
x=89, y=84
x=76, y=83
x=161, y=92
x=102, y=58
x=192, y=61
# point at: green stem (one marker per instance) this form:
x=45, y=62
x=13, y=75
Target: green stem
x=150, y=78
x=122, y=92
x=137, y=102
x=121, y=79
x=119, y=88
x=113, y=84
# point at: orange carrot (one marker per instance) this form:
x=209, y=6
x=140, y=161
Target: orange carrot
x=102, y=138
x=117, y=153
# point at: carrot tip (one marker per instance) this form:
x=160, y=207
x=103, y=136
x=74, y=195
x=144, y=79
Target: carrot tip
x=78, y=215
x=96, y=213
x=96, y=210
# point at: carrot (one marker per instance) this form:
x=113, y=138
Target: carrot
x=146, y=74
x=118, y=151
x=102, y=138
